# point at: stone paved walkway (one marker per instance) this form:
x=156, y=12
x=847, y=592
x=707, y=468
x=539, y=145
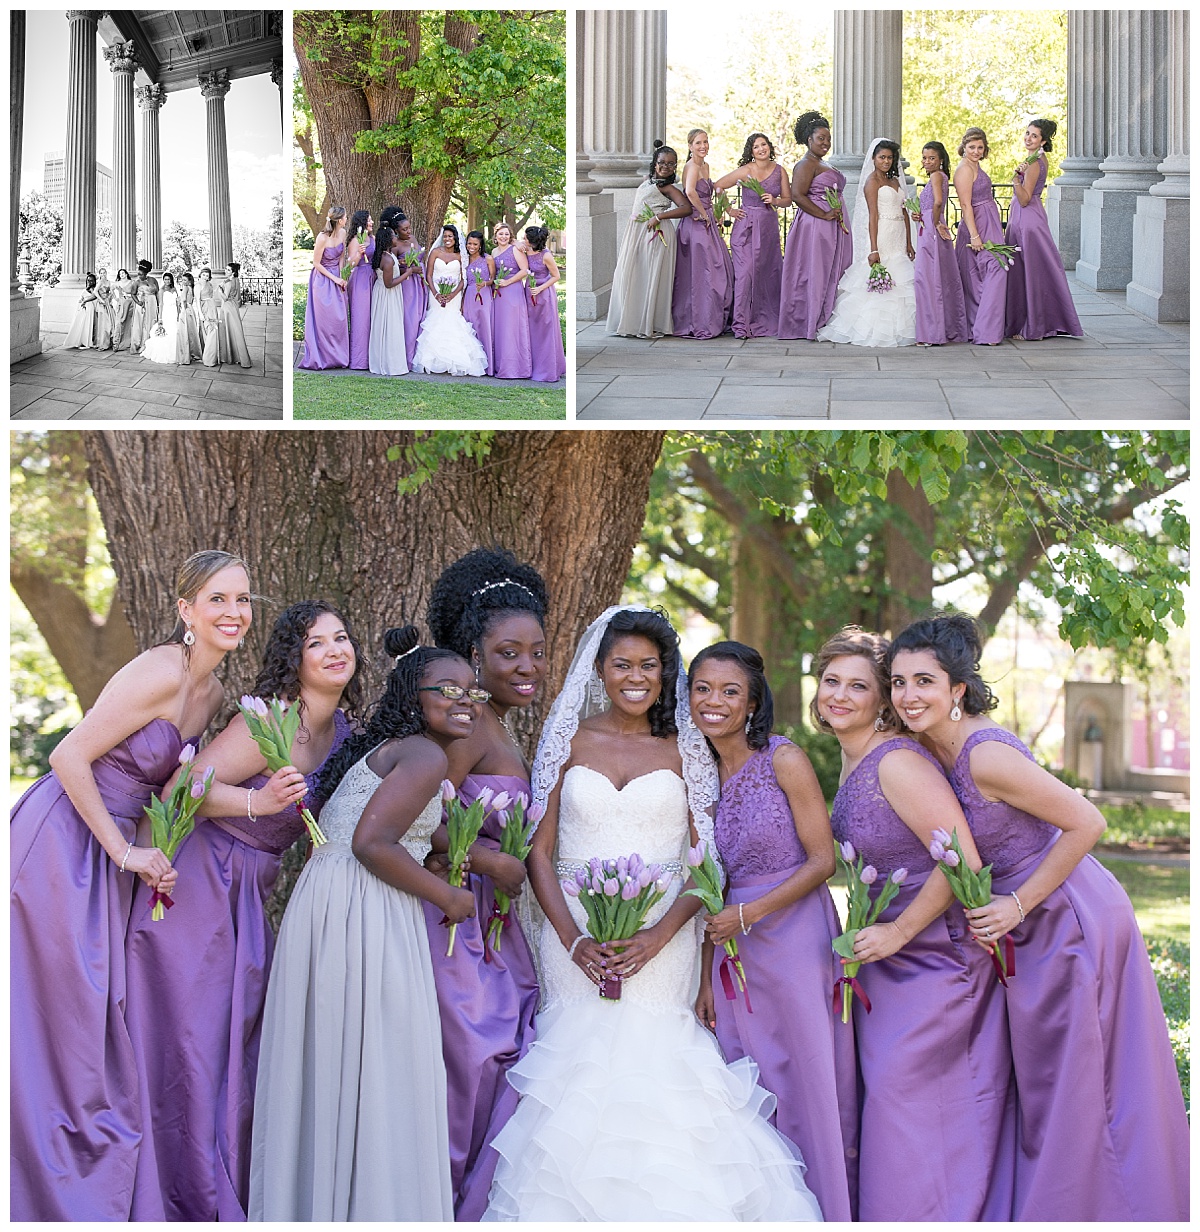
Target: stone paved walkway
x=87, y=386
x=298, y=350
x=1126, y=367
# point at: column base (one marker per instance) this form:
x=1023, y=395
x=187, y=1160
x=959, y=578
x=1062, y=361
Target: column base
x=24, y=316
x=1064, y=209
x=595, y=255
x=58, y=306
x=1106, y=239
x=1160, y=288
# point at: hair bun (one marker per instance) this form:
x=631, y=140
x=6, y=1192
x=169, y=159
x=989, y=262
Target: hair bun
x=658, y=142
x=401, y=641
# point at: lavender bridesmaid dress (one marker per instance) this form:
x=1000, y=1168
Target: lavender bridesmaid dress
x=480, y=311
x=75, y=1119
x=702, y=300
x=805, y=1055
x=197, y=983
x=1039, y=300
x=818, y=253
x=362, y=282
x=511, y=343
x=1103, y=1131
x=937, y=1128
x=757, y=264
x=941, y=309
x=416, y=301
x=547, y=358
x=326, y=331
x=983, y=277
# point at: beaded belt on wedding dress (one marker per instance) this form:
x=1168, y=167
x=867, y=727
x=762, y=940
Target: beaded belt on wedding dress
x=568, y=868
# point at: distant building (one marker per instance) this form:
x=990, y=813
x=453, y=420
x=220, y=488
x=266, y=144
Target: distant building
x=52, y=182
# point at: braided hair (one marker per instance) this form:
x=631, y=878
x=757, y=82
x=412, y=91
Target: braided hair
x=655, y=627
x=383, y=243
x=762, y=703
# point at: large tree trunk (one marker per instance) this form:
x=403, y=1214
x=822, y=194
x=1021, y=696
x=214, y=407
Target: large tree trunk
x=908, y=538
x=314, y=211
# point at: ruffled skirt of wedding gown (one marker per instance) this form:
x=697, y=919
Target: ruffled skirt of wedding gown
x=162, y=348
x=447, y=343
x=877, y=318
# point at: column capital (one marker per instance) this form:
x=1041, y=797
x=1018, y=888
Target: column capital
x=122, y=57
x=151, y=98
x=277, y=73
x=214, y=84
x=92, y=15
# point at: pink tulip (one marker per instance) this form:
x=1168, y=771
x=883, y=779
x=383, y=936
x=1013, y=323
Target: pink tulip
x=629, y=890
x=644, y=878
x=198, y=790
x=623, y=866
x=537, y=811
x=951, y=859
x=448, y=792
x=501, y=802
x=523, y=801
x=259, y=707
x=485, y=798
x=502, y=818
x=187, y=754
x=848, y=852
x=209, y=775
x=937, y=850
x=597, y=884
x=940, y=836
x=695, y=856
x=899, y=876
x=869, y=875
x=611, y=887
x=569, y=887
x=246, y=701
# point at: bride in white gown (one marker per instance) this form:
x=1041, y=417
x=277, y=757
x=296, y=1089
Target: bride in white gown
x=162, y=345
x=628, y=1111
x=881, y=234
x=447, y=343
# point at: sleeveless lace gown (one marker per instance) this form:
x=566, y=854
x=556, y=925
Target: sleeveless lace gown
x=627, y=1110
x=447, y=343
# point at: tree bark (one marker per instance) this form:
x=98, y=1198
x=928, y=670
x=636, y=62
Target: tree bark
x=314, y=212
x=908, y=539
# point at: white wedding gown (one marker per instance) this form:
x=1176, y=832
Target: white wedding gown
x=877, y=318
x=162, y=348
x=447, y=343
x=628, y=1111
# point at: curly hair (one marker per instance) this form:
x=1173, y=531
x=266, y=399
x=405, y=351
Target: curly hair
x=748, y=151
x=953, y=640
x=279, y=675
x=537, y=237
x=762, y=703
x=398, y=712
x=1047, y=128
x=477, y=590
x=854, y=641
x=358, y=221
x=654, y=626
x=807, y=125
x=391, y=215
x=894, y=169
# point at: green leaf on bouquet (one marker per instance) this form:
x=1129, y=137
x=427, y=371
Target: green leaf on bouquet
x=844, y=945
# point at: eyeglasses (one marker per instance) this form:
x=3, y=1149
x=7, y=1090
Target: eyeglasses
x=455, y=692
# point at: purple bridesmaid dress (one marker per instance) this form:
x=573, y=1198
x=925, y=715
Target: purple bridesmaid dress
x=416, y=300
x=362, y=280
x=487, y=1002
x=805, y=1055
x=479, y=310
x=75, y=1119
x=1103, y=1131
x=757, y=264
x=702, y=298
x=818, y=253
x=548, y=362
x=983, y=277
x=1039, y=300
x=197, y=984
x=326, y=330
x=941, y=309
x=511, y=340
x=937, y=1128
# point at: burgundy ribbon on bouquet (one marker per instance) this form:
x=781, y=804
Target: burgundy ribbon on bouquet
x=727, y=980
x=855, y=987
x=1010, y=960
x=159, y=897
x=505, y=922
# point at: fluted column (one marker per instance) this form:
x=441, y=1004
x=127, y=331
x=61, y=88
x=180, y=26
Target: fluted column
x=24, y=314
x=151, y=100
x=277, y=78
x=1087, y=127
x=79, y=161
x=214, y=86
x=122, y=59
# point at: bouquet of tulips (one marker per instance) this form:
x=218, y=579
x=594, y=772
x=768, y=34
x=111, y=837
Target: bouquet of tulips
x=463, y=826
x=707, y=889
x=478, y=273
x=616, y=895
x=721, y=207
x=1004, y=253
x=879, y=279
x=860, y=913
x=649, y=214
x=446, y=287
x=755, y=187
x=173, y=819
x=502, y=272
x=834, y=203
x=972, y=890
x=412, y=259
x=913, y=206
x=516, y=838
x=274, y=729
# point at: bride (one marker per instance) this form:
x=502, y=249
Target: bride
x=881, y=235
x=627, y=1110
x=162, y=345
x=447, y=343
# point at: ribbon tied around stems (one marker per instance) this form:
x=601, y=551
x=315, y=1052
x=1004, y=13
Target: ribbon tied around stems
x=855, y=987
x=505, y=922
x=731, y=970
x=1007, y=968
x=159, y=903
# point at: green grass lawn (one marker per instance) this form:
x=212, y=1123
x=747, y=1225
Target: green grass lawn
x=1137, y=823
x=317, y=395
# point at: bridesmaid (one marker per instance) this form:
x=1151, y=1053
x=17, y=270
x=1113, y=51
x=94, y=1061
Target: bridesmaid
x=937, y=1123
x=233, y=336
x=702, y=299
x=361, y=286
x=1039, y=300
x=983, y=277
x=386, y=351
x=819, y=249
x=478, y=305
x=547, y=358
x=511, y=342
x=198, y=977
x=1103, y=1131
x=209, y=325
x=412, y=279
x=754, y=240
x=941, y=310
x=75, y=1119
x=326, y=332
x=187, y=287
x=489, y=608
x=122, y=307
x=82, y=332
x=773, y=837
x=104, y=320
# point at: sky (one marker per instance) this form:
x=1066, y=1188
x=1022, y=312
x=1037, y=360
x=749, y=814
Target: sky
x=257, y=168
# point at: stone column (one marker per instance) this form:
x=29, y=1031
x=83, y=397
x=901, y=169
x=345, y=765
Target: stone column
x=122, y=59
x=151, y=99
x=1087, y=127
x=277, y=78
x=1137, y=125
x=1160, y=287
x=24, y=314
x=214, y=86
x=594, y=243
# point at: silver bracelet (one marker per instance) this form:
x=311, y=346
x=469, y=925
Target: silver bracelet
x=1019, y=907
x=249, y=811
x=571, y=948
x=742, y=921
x=125, y=857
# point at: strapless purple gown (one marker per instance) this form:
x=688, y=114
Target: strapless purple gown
x=511, y=341
x=75, y=1118
x=805, y=1055
x=1103, y=1131
x=487, y=1003
x=1039, y=300
x=326, y=328
x=480, y=311
x=197, y=984
x=818, y=253
x=362, y=280
x=937, y=1130
x=547, y=359
x=416, y=301
x=757, y=264
x=941, y=310
x=702, y=298
x=983, y=277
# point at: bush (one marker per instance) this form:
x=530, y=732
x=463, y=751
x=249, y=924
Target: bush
x=1138, y=822
x=299, y=304
x=1171, y=961
x=823, y=751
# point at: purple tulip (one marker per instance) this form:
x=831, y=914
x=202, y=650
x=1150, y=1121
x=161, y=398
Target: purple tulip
x=209, y=774
x=569, y=887
x=537, y=811
x=899, y=876
x=629, y=890
x=448, y=792
x=848, y=852
x=597, y=885
x=644, y=879
x=636, y=864
x=655, y=871
x=623, y=866
x=941, y=836
x=485, y=798
x=259, y=707
x=951, y=859
x=501, y=802
x=523, y=801
x=502, y=817
x=198, y=790
x=611, y=887
x=246, y=701
x=594, y=866
x=187, y=754
x=581, y=878
x=937, y=850
x=869, y=875
x=695, y=856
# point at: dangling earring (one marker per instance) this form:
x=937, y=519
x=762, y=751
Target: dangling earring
x=880, y=725
x=955, y=713
x=189, y=638
x=824, y=722
x=241, y=642
x=749, y=720
x=478, y=668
